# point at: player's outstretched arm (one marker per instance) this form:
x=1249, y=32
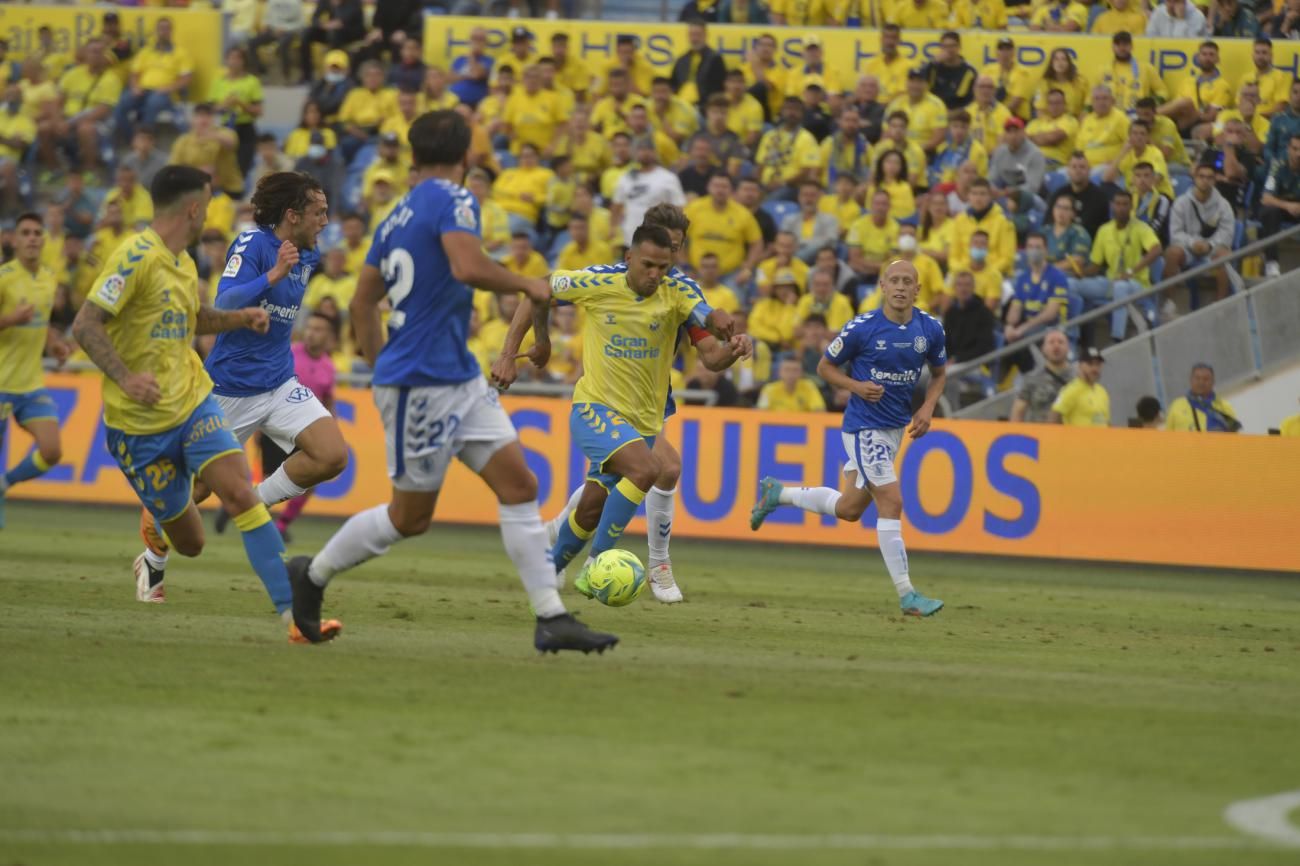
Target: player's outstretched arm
x=717, y=355
x=364, y=311
x=528, y=316
x=89, y=332
x=720, y=325
x=213, y=321
x=921, y=420
x=471, y=266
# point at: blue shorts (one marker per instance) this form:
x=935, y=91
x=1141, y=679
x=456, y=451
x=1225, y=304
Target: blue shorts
x=600, y=431
x=31, y=406
x=161, y=466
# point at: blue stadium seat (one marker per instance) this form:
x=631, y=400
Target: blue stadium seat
x=1182, y=183
x=1055, y=180
x=779, y=210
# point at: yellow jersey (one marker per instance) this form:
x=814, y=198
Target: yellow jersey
x=745, y=117
x=773, y=321
x=522, y=191
x=837, y=311
x=427, y=102
x=727, y=234
x=1118, y=249
x=774, y=77
x=495, y=225
x=720, y=297
x=875, y=241
x=800, y=13
x=16, y=125
x=158, y=68
x=84, y=90
x=21, y=346
x=1002, y=240
x=782, y=154
x=609, y=115
x=341, y=288
x=679, y=120
x=1082, y=405
x=1102, y=138
x=574, y=75
x=573, y=258
x=1207, y=90
x=399, y=168
x=1132, y=81
x=1067, y=123
x=1077, y=94
x=766, y=274
x=640, y=75
x=1060, y=14
x=137, y=207
x=988, y=124
x=1291, y=426
x=532, y=117
x=1188, y=419
x=368, y=108
x=1018, y=81
x=1274, y=87
x=923, y=117
x=628, y=341
x=917, y=164
x=356, y=256
x=804, y=398
x=892, y=75
x=930, y=15
x=533, y=266
x=845, y=210
x=590, y=156
x=902, y=202
x=1113, y=21
x=1157, y=159
x=153, y=297
x=1258, y=124
x=297, y=142
x=980, y=15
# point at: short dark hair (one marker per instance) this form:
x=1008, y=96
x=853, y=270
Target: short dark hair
x=718, y=100
x=1263, y=40
x=173, y=182
x=1121, y=193
x=1146, y=102
x=1141, y=123
x=661, y=79
x=1208, y=43
x=626, y=39
x=667, y=216
x=1148, y=408
x=30, y=217
x=735, y=73
x=960, y=115
x=978, y=233
x=266, y=138
x=279, y=192
x=713, y=256
x=891, y=28
x=950, y=34
x=981, y=182
x=439, y=138
x=898, y=115
x=1035, y=233
x=1144, y=164
x=657, y=235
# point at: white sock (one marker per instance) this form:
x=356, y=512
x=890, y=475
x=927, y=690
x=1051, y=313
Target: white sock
x=278, y=488
x=563, y=517
x=524, y=536
x=365, y=536
x=158, y=562
x=890, y=535
x=819, y=500
x=659, y=522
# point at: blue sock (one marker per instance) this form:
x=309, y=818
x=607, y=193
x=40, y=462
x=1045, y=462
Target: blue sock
x=619, y=510
x=265, y=550
x=31, y=467
x=569, y=543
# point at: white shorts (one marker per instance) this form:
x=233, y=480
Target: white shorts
x=871, y=455
x=280, y=414
x=425, y=427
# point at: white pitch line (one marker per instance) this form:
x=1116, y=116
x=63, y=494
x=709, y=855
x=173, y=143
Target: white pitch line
x=571, y=841
x=1267, y=818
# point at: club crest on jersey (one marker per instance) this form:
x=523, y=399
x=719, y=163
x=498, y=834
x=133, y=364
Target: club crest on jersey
x=920, y=345
x=464, y=215
x=305, y=276
x=111, y=289
x=233, y=265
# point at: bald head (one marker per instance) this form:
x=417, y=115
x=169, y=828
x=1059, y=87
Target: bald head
x=899, y=285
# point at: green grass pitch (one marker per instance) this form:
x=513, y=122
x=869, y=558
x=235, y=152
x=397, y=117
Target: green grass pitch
x=1052, y=713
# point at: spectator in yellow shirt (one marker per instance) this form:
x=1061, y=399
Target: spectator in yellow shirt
x=843, y=203
x=523, y=259
x=927, y=116
x=983, y=215
x=521, y=191
x=207, y=144
x=1201, y=96
x=932, y=295
x=671, y=115
x=1102, y=133
x=1274, y=84
x=891, y=179
x=90, y=93
x=988, y=117
x=1083, y=402
x=495, y=225
x=919, y=14
x=160, y=74
x=814, y=71
x=783, y=260
x=788, y=154
x=1290, y=426
x=744, y=112
x=716, y=295
x=798, y=13
x=385, y=193
x=1062, y=74
x=764, y=76
x=1123, y=16
x=896, y=138
x=1054, y=132
x=792, y=391
x=356, y=242
x=331, y=281
x=1164, y=133
x=570, y=72
x=823, y=300
x=1013, y=82
x=772, y=319
x=871, y=238
x=620, y=154
x=589, y=151
x=17, y=132
x=389, y=158
x=639, y=128
x=365, y=108
x=1200, y=410
x=722, y=226
x=609, y=114
x=958, y=147
x=1060, y=16
x=1129, y=81
x=889, y=67
x=532, y=114
x=582, y=250
x=137, y=206
x=640, y=73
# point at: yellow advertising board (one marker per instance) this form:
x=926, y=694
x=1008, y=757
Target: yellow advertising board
x=968, y=486
x=845, y=49
x=198, y=31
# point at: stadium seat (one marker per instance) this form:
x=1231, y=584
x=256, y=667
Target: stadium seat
x=1055, y=180
x=779, y=210
x=1182, y=183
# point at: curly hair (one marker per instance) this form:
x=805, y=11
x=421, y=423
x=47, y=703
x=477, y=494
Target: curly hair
x=280, y=192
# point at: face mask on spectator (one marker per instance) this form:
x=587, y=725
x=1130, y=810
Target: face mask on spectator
x=335, y=77
x=1035, y=257
x=316, y=151
x=906, y=243
x=978, y=254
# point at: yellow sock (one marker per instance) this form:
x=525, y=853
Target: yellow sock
x=253, y=518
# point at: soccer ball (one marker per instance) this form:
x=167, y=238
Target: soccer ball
x=616, y=578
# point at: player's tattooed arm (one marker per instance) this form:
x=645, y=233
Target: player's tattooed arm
x=720, y=325
x=213, y=321
x=89, y=332
x=528, y=316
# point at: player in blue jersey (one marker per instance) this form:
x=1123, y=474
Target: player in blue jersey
x=878, y=358
x=253, y=373
x=589, y=498
x=430, y=392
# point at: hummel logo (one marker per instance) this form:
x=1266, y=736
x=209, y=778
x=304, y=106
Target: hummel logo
x=609, y=319
x=615, y=530
x=654, y=326
x=665, y=529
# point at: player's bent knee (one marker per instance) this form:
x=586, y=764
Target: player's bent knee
x=51, y=453
x=850, y=511
x=190, y=547
x=239, y=500
x=670, y=471
x=411, y=525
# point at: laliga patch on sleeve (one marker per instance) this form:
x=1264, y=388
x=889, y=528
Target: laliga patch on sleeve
x=110, y=291
x=233, y=266
x=465, y=215
x=836, y=346
x=560, y=284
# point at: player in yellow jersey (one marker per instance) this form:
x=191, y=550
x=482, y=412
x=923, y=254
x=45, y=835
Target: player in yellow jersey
x=26, y=294
x=162, y=424
x=629, y=341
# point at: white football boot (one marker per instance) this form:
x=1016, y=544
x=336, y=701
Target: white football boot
x=145, y=589
x=663, y=585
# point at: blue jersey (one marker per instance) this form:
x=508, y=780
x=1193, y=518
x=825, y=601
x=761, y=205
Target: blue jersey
x=892, y=355
x=670, y=405
x=1033, y=296
x=242, y=362
x=428, y=331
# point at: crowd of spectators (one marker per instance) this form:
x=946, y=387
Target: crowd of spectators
x=1022, y=197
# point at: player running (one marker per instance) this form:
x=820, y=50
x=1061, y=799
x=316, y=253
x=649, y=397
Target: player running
x=660, y=499
x=253, y=373
x=26, y=295
x=629, y=341
x=430, y=392
x=162, y=424
x=883, y=352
